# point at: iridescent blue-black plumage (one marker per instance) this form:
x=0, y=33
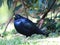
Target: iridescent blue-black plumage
x=26, y=27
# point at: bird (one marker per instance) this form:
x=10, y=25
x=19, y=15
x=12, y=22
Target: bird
x=26, y=27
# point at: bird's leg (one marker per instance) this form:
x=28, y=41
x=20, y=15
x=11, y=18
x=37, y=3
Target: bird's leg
x=25, y=40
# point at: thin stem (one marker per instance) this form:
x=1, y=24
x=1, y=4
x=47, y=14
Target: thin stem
x=24, y=8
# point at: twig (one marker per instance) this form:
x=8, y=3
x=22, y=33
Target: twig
x=11, y=17
x=8, y=23
x=45, y=14
x=24, y=8
x=48, y=10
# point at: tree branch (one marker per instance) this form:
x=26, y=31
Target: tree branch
x=24, y=8
x=8, y=23
x=14, y=5
x=45, y=14
x=48, y=9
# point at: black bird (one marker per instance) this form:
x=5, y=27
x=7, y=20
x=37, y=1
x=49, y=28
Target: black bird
x=26, y=27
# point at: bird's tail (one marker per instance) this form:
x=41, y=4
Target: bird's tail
x=43, y=32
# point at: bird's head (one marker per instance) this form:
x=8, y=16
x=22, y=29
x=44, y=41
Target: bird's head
x=17, y=16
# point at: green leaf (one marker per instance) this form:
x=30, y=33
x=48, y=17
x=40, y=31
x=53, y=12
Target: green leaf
x=58, y=16
x=9, y=3
x=58, y=25
x=1, y=1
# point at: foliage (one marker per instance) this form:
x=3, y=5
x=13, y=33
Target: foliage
x=18, y=41
x=34, y=40
x=9, y=3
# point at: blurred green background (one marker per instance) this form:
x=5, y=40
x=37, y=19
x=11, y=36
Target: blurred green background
x=36, y=8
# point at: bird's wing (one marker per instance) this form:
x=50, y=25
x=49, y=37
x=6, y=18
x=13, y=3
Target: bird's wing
x=28, y=24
